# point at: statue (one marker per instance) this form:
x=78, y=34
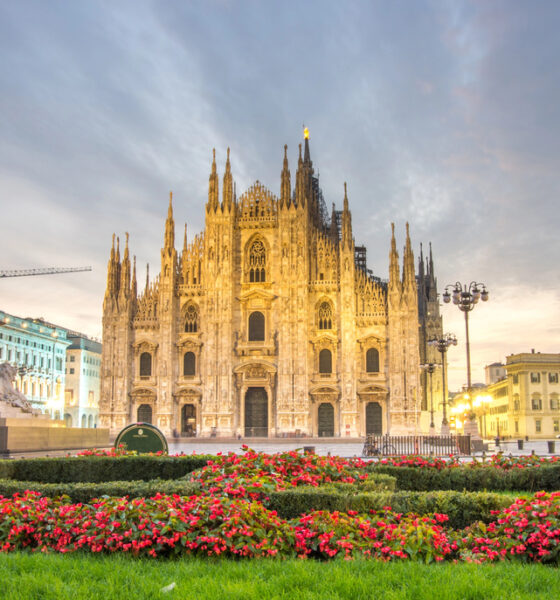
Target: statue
x=8, y=393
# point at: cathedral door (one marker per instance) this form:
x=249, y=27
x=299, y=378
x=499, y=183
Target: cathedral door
x=188, y=420
x=144, y=414
x=325, y=418
x=374, y=418
x=256, y=413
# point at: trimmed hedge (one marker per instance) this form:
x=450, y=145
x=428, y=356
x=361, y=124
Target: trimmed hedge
x=94, y=469
x=85, y=492
x=528, y=479
x=462, y=508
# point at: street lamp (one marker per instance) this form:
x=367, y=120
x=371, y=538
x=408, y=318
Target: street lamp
x=465, y=297
x=442, y=344
x=430, y=368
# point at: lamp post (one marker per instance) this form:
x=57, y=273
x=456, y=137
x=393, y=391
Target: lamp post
x=430, y=368
x=466, y=297
x=442, y=344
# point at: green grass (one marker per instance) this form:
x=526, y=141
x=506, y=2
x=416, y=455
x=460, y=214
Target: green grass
x=76, y=577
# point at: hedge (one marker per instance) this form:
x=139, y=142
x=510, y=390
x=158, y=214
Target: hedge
x=94, y=469
x=528, y=479
x=462, y=508
x=85, y=492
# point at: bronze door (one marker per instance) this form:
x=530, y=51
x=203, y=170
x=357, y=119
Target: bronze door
x=374, y=418
x=256, y=413
x=325, y=418
x=188, y=420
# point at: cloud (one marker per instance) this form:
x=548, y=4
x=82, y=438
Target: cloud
x=443, y=115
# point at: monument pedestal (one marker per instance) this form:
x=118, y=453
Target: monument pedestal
x=36, y=435
x=471, y=428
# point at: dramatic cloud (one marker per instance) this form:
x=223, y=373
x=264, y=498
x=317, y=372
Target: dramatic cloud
x=442, y=114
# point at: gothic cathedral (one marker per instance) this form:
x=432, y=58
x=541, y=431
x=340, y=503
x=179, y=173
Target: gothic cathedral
x=267, y=324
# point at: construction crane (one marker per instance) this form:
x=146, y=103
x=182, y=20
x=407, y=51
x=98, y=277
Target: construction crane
x=46, y=271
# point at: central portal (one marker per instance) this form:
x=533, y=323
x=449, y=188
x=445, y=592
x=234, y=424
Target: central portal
x=256, y=412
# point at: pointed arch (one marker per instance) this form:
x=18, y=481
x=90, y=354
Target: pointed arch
x=191, y=318
x=325, y=315
x=256, y=260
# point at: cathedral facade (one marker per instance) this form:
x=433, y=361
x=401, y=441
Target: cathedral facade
x=266, y=324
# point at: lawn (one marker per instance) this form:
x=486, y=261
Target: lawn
x=77, y=577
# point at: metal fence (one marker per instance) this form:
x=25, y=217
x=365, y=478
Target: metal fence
x=434, y=445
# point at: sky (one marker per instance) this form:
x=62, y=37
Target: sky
x=444, y=114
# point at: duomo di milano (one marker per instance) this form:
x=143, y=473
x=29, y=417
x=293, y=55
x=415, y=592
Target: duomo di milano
x=269, y=324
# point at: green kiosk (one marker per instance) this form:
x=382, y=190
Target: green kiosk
x=142, y=438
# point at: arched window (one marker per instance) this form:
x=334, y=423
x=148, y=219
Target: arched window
x=372, y=361
x=191, y=319
x=144, y=414
x=145, y=364
x=325, y=316
x=256, y=327
x=83, y=421
x=189, y=364
x=257, y=262
x=325, y=361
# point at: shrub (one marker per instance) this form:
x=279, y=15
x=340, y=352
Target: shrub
x=462, y=508
x=102, y=468
x=546, y=477
x=85, y=492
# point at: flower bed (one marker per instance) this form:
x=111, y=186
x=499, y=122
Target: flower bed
x=231, y=514
x=254, y=474
x=206, y=525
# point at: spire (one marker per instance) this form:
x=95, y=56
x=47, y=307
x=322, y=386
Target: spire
x=421, y=266
x=117, y=271
x=431, y=264
x=213, y=192
x=134, y=285
x=147, y=276
x=346, y=222
x=409, y=277
x=285, y=186
x=185, y=240
x=300, y=182
x=307, y=154
x=394, y=271
x=111, y=270
x=228, y=186
x=308, y=172
x=169, y=241
x=125, y=271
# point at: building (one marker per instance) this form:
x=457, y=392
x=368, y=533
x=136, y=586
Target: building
x=526, y=403
x=38, y=350
x=494, y=372
x=81, y=395
x=431, y=327
x=268, y=323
